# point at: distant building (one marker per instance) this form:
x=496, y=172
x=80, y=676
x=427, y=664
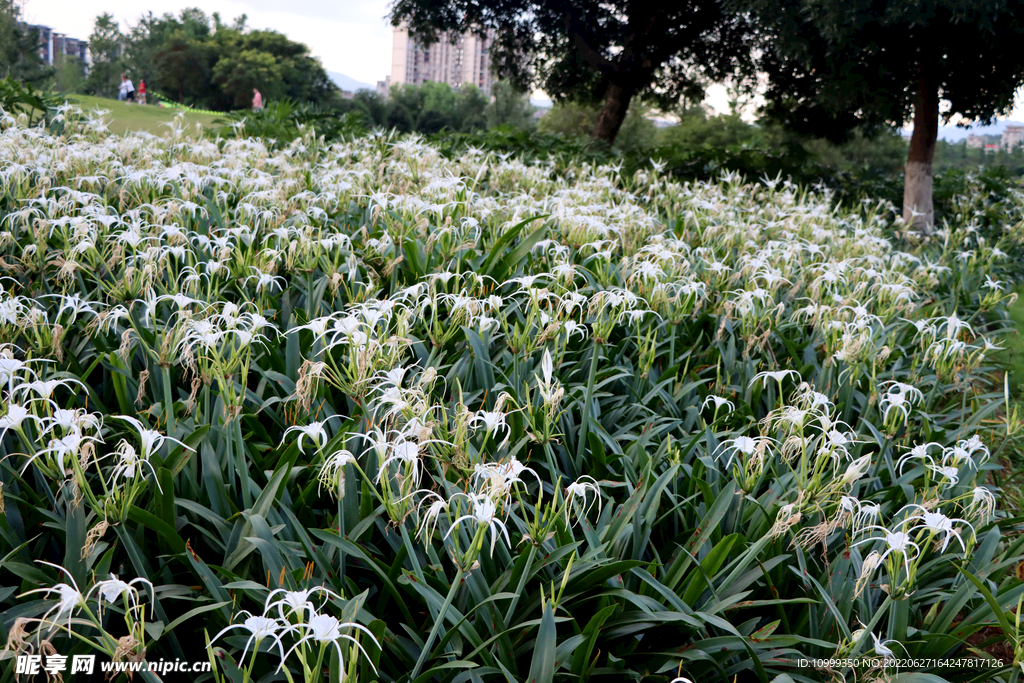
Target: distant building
x=975, y=141
x=384, y=86
x=991, y=149
x=1013, y=137
x=466, y=60
x=53, y=46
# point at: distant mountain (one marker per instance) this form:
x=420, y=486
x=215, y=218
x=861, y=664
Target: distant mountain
x=347, y=83
x=956, y=134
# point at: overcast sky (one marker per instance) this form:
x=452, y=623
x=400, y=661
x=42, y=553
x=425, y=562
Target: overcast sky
x=349, y=36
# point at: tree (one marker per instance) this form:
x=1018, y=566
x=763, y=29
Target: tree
x=470, y=109
x=203, y=61
x=19, y=48
x=69, y=74
x=404, y=106
x=107, y=61
x=182, y=63
x=151, y=36
x=607, y=51
x=836, y=65
x=302, y=77
x=508, y=107
x=237, y=74
x=373, y=106
x=569, y=119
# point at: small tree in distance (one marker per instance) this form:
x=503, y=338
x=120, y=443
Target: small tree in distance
x=837, y=65
x=107, y=60
x=508, y=107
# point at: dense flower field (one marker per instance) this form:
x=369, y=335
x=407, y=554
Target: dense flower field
x=365, y=410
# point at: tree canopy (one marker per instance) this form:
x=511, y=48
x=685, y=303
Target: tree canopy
x=607, y=51
x=19, y=48
x=201, y=61
x=836, y=65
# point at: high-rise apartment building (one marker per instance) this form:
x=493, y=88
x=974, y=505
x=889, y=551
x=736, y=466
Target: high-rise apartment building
x=1013, y=137
x=465, y=60
x=53, y=45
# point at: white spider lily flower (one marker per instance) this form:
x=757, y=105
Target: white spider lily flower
x=150, y=439
x=10, y=367
x=918, y=452
x=112, y=589
x=862, y=514
x=635, y=316
x=45, y=388
x=966, y=449
x=953, y=325
x=434, y=505
x=501, y=476
x=881, y=647
x=69, y=598
x=777, y=375
x=406, y=453
x=260, y=628
x=63, y=449
x=983, y=504
x=493, y=421
x=719, y=402
x=265, y=281
x=909, y=392
x=943, y=468
x=580, y=496
x=314, y=431
x=748, y=446
x=572, y=327
x=129, y=464
x=484, y=511
x=394, y=376
x=378, y=442
x=324, y=629
x=332, y=473
x=957, y=456
x=318, y=326
x=938, y=523
x=897, y=402
x=16, y=416
x=898, y=542
x=296, y=601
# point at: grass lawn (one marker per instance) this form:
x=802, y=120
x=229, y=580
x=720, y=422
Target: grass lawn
x=124, y=117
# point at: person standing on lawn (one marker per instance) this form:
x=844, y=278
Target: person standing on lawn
x=257, y=100
x=126, y=93
x=140, y=97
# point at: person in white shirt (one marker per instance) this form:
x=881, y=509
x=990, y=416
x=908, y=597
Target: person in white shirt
x=127, y=91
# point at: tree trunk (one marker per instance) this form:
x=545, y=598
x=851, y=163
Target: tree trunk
x=918, y=210
x=613, y=113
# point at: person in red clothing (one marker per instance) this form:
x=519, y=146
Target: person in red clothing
x=140, y=95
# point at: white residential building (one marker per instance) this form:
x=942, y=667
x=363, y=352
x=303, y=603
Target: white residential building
x=466, y=60
x=53, y=45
